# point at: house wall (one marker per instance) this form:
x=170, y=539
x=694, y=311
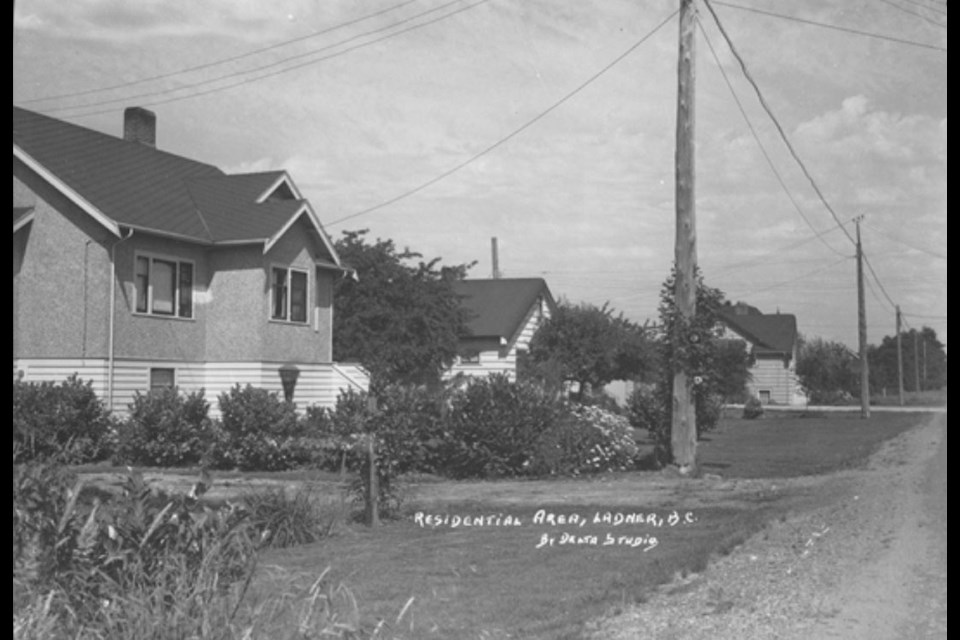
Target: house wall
x=294, y=342
x=770, y=374
x=145, y=336
x=504, y=360
x=318, y=384
x=61, y=262
x=236, y=304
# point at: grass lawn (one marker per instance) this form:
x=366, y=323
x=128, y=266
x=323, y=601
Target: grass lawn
x=509, y=581
x=788, y=445
x=494, y=582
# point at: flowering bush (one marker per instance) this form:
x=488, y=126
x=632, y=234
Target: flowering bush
x=587, y=439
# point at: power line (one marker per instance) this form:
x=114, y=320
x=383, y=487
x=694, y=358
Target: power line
x=914, y=13
x=877, y=298
x=905, y=243
x=280, y=71
x=794, y=279
x=766, y=107
x=877, y=280
x=831, y=26
x=927, y=7
x=214, y=63
x=763, y=149
x=509, y=136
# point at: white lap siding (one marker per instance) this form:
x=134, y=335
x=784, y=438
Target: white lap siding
x=770, y=374
x=317, y=384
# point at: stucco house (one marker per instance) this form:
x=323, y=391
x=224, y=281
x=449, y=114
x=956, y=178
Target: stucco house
x=504, y=313
x=772, y=345
x=136, y=268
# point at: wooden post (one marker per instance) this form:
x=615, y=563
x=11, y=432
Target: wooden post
x=683, y=428
x=372, y=497
x=899, y=358
x=373, y=485
x=862, y=332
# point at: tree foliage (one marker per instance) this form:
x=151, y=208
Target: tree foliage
x=828, y=370
x=400, y=318
x=719, y=368
x=924, y=359
x=589, y=345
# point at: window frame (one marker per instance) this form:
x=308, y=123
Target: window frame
x=288, y=294
x=155, y=370
x=179, y=298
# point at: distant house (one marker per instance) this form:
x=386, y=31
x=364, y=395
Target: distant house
x=504, y=313
x=137, y=269
x=772, y=345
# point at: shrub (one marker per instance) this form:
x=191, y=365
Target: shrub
x=257, y=431
x=166, y=429
x=495, y=426
x=645, y=409
x=409, y=425
x=65, y=421
x=586, y=440
x=752, y=408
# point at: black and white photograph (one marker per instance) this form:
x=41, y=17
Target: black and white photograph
x=480, y=319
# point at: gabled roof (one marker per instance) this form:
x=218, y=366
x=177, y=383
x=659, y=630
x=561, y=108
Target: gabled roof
x=770, y=333
x=126, y=183
x=497, y=307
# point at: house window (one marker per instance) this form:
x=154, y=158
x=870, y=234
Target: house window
x=164, y=287
x=764, y=396
x=470, y=357
x=289, y=295
x=161, y=379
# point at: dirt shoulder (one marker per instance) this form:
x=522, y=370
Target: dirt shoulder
x=864, y=558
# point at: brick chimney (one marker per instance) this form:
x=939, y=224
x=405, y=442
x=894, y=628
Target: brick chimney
x=140, y=125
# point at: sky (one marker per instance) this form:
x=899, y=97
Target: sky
x=550, y=125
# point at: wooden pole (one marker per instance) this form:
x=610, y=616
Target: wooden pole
x=862, y=331
x=373, y=486
x=899, y=358
x=916, y=361
x=373, y=481
x=683, y=433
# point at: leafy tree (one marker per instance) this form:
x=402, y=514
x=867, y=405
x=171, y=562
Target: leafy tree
x=828, y=370
x=923, y=357
x=400, y=318
x=589, y=345
x=720, y=368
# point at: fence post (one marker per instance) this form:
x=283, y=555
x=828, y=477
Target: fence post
x=373, y=485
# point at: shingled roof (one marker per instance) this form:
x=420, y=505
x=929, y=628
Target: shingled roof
x=131, y=184
x=769, y=333
x=497, y=307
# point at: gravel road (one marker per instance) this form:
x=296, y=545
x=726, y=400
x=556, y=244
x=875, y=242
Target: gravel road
x=866, y=559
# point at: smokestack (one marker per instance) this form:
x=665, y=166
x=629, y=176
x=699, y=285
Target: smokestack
x=496, y=258
x=140, y=125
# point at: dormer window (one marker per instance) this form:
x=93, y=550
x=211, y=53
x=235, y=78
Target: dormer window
x=163, y=286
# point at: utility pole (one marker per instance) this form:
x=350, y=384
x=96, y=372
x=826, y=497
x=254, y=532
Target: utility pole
x=923, y=380
x=862, y=331
x=916, y=361
x=899, y=359
x=683, y=427
x=495, y=258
